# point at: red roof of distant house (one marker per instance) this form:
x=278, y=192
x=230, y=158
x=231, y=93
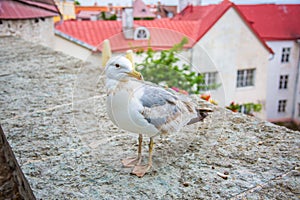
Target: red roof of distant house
x=140, y=10
x=274, y=22
x=26, y=9
x=271, y=21
x=163, y=33
x=209, y=15
x=78, y=9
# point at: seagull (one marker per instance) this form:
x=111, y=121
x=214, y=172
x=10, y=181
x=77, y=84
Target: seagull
x=144, y=108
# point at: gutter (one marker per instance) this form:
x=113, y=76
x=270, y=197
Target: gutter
x=74, y=40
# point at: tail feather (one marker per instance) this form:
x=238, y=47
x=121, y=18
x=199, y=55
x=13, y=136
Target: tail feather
x=201, y=114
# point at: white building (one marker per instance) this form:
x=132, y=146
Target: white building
x=281, y=31
x=283, y=103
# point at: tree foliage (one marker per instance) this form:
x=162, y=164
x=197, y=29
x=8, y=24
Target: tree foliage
x=77, y=3
x=112, y=17
x=162, y=68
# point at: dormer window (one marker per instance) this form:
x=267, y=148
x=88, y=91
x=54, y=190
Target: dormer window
x=141, y=33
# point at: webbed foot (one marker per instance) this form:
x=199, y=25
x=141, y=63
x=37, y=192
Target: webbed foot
x=131, y=162
x=141, y=170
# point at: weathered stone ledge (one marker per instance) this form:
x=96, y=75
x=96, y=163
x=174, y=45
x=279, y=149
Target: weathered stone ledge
x=54, y=117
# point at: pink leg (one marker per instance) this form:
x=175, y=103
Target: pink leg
x=141, y=170
x=131, y=162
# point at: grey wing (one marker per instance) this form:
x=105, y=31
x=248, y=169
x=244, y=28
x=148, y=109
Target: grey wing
x=156, y=96
x=160, y=106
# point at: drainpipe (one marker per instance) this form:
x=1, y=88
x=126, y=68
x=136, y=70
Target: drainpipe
x=296, y=83
x=127, y=22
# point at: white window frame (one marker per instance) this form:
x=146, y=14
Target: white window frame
x=283, y=81
x=245, y=78
x=141, y=33
x=210, y=78
x=285, y=54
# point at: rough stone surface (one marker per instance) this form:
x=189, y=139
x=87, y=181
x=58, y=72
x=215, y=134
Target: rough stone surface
x=53, y=114
x=13, y=184
x=40, y=31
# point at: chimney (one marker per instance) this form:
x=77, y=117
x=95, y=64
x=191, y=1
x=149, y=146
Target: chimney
x=110, y=7
x=127, y=22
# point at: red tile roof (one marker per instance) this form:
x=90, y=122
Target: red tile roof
x=164, y=33
x=192, y=22
x=140, y=10
x=209, y=15
x=78, y=9
x=26, y=9
x=274, y=22
x=271, y=21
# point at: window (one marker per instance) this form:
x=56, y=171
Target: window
x=298, y=109
x=245, y=78
x=210, y=81
x=285, y=55
x=141, y=33
x=283, y=81
x=281, y=105
x=210, y=78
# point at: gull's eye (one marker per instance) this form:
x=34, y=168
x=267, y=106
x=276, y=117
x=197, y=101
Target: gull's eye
x=117, y=65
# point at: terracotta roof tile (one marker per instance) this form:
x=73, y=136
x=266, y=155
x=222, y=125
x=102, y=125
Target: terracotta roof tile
x=140, y=10
x=78, y=9
x=271, y=21
x=164, y=33
x=209, y=15
x=26, y=9
x=274, y=22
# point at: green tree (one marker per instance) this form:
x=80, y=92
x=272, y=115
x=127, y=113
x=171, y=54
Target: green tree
x=77, y=3
x=162, y=68
x=112, y=17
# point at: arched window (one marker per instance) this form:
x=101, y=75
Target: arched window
x=141, y=33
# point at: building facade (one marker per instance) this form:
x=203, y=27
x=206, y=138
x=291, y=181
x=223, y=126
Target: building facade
x=283, y=102
x=30, y=20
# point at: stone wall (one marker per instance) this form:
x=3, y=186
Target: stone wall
x=39, y=30
x=13, y=184
x=53, y=114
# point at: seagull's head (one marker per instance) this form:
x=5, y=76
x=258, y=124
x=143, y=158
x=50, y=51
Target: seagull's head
x=120, y=68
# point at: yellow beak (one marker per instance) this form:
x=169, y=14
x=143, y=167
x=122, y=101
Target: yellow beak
x=136, y=75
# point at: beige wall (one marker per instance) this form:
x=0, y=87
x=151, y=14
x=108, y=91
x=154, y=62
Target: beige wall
x=228, y=46
x=39, y=30
x=67, y=9
x=77, y=51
